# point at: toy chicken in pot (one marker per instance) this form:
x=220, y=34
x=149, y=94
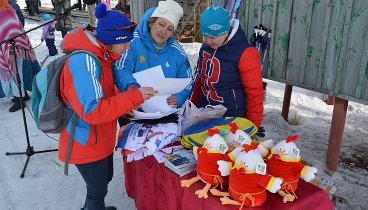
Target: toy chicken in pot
x=238, y=137
x=213, y=149
x=248, y=179
x=285, y=162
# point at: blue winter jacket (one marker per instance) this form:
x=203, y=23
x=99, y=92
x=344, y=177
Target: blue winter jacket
x=143, y=55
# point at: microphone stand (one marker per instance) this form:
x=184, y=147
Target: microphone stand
x=29, y=151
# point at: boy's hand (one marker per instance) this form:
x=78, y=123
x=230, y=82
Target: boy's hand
x=172, y=101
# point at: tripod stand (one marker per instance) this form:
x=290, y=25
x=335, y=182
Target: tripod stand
x=29, y=151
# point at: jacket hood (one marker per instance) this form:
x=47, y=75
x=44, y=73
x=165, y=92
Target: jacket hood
x=82, y=39
x=143, y=31
x=236, y=34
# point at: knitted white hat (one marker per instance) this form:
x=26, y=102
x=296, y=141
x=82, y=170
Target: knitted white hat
x=170, y=10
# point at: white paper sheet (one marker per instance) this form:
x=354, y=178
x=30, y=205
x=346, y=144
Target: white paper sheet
x=154, y=77
x=170, y=86
x=148, y=77
x=157, y=104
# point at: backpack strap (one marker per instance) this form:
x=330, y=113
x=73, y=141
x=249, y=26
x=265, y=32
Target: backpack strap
x=75, y=120
x=70, y=144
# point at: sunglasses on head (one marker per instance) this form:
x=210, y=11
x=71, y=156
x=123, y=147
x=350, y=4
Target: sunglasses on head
x=129, y=28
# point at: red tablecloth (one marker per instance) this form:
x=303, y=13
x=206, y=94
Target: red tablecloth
x=153, y=186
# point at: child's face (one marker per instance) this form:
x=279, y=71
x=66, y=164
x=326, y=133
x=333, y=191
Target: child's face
x=120, y=48
x=215, y=42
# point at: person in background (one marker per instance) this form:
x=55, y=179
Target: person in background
x=124, y=7
x=63, y=24
x=80, y=6
x=48, y=34
x=35, y=7
x=91, y=8
x=87, y=87
x=26, y=61
x=16, y=7
x=228, y=69
x=155, y=44
x=30, y=8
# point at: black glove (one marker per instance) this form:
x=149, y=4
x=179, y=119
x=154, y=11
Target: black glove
x=261, y=132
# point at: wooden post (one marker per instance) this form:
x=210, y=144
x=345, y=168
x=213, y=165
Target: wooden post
x=286, y=102
x=330, y=100
x=336, y=133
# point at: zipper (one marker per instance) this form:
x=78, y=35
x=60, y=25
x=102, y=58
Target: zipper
x=156, y=52
x=213, y=56
x=236, y=105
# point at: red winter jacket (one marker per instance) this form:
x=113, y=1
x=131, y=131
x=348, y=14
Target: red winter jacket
x=88, y=88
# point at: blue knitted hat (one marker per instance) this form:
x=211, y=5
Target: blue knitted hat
x=46, y=17
x=113, y=27
x=215, y=21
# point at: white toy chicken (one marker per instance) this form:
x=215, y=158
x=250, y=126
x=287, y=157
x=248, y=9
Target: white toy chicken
x=238, y=137
x=213, y=149
x=248, y=179
x=285, y=162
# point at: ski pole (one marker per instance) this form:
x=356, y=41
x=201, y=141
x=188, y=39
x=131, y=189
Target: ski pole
x=267, y=47
x=237, y=5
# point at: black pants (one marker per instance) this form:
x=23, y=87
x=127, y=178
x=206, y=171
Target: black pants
x=63, y=33
x=35, y=6
x=50, y=43
x=30, y=8
x=80, y=5
x=97, y=176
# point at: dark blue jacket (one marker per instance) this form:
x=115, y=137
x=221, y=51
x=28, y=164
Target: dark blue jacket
x=231, y=76
x=17, y=10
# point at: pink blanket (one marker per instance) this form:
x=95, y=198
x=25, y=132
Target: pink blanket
x=9, y=27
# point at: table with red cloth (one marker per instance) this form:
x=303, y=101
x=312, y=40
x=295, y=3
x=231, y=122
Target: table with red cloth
x=155, y=187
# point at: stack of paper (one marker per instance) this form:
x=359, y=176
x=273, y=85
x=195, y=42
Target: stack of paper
x=157, y=107
x=154, y=77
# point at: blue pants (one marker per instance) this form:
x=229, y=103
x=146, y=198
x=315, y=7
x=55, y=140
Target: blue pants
x=50, y=43
x=97, y=176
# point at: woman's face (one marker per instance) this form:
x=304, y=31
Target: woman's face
x=161, y=30
x=120, y=48
x=215, y=42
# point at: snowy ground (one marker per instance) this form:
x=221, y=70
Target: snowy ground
x=44, y=185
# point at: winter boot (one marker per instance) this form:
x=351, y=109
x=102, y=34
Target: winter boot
x=25, y=97
x=17, y=105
